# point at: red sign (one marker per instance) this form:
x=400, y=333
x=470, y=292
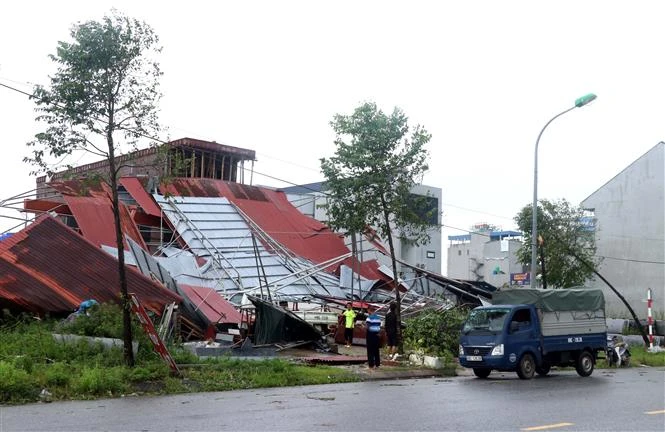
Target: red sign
x=149, y=329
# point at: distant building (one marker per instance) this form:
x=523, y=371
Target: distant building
x=485, y=255
x=185, y=158
x=309, y=199
x=630, y=237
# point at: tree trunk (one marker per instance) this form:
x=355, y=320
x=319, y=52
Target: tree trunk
x=632, y=312
x=542, y=265
x=124, y=296
x=386, y=215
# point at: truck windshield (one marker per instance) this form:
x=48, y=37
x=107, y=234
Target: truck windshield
x=488, y=319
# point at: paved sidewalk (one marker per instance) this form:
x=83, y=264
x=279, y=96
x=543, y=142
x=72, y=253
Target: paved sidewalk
x=389, y=369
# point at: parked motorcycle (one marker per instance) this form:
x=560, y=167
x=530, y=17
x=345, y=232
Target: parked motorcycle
x=617, y=352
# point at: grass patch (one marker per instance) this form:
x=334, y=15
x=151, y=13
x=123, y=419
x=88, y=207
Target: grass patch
x=640, y=355
x=31, y=360
x=227, y=374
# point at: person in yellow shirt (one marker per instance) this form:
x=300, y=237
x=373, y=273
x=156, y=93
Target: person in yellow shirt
x=349, y=324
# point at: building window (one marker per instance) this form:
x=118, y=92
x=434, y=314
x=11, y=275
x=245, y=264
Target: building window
x=467, y=251
x=431, y=254
x=459, y=252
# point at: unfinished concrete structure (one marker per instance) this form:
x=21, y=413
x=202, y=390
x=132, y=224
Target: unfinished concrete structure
x=185, y=157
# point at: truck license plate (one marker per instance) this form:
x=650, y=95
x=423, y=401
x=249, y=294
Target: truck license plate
x=474, y=358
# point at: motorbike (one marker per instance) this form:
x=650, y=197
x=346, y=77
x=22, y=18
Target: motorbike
x=617, y=352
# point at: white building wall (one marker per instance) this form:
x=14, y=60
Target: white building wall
x=426, y=256
x=630, y=234
x=478, y=258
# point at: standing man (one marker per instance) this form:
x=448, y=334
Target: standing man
x=373, y=325
x=349, y=324
x=391, y=331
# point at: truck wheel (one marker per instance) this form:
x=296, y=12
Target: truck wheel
x=481, y=372
x=543, y=369
x=585, y=363
x=526, y=367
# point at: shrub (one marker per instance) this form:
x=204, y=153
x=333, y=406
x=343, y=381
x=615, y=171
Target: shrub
x=58, y=374
x=15, y=384
x=24, y=362
x=150, y=372
x=100, y=381
x=104, y=320
x=435, y=332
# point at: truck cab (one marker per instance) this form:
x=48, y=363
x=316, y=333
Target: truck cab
x=564, y=328
x=495, y=337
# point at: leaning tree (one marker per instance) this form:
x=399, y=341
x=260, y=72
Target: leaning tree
x=377, y=161
x=101, y=99
x=567, y=248
x=561, y=227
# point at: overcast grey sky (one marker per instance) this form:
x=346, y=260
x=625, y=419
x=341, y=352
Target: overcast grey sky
x=482, y=76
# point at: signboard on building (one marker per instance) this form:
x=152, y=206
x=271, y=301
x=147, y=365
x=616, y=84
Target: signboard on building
x=520, y=278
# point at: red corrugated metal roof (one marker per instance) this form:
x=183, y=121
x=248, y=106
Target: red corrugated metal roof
x=272, y=211
x=80, y=188
x=44, y=205
x=94, y=216
x=214, y=306
x=136, y=189
x=47, y=267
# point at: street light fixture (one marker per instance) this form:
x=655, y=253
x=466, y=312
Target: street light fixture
x=579, y=103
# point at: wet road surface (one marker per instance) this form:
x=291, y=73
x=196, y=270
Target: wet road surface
x=609, y=400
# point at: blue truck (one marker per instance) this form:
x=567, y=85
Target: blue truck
x=530, y=330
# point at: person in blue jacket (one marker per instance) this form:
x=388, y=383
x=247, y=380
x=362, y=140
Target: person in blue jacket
x=373, y=327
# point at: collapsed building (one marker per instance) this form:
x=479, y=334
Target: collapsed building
x=199, y=240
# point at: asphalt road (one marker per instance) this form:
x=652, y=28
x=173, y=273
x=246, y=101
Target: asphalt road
x=614, y=400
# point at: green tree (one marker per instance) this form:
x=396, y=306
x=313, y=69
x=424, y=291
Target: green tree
x=562, y=228
x=104, y=94
x=378, y=159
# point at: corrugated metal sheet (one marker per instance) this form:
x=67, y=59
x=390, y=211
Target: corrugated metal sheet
x=272, y=211
x=80, y=188
x=212, y=228
x=136, y=189
x=94, y=216
x=211, y=304
x=185, y=270
x=47, y=267
x=208, y=225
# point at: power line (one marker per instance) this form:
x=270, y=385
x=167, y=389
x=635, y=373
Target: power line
x=475, y=211
x=161, y=141
x=632, y=260
x=323, y=192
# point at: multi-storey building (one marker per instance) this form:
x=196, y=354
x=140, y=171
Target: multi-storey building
x=485, y=255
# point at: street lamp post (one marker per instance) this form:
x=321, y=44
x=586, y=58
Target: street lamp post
x=584, y=100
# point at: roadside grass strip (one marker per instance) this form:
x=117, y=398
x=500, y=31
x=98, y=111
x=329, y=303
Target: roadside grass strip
x=655, y=412
x=545, y=427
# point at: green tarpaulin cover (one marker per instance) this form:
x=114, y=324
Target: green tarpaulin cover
x=274, y=324
x=572, y=299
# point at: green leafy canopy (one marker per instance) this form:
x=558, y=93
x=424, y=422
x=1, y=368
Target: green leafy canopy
x=378, y=159
x=563, y=229
x=106, y=82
